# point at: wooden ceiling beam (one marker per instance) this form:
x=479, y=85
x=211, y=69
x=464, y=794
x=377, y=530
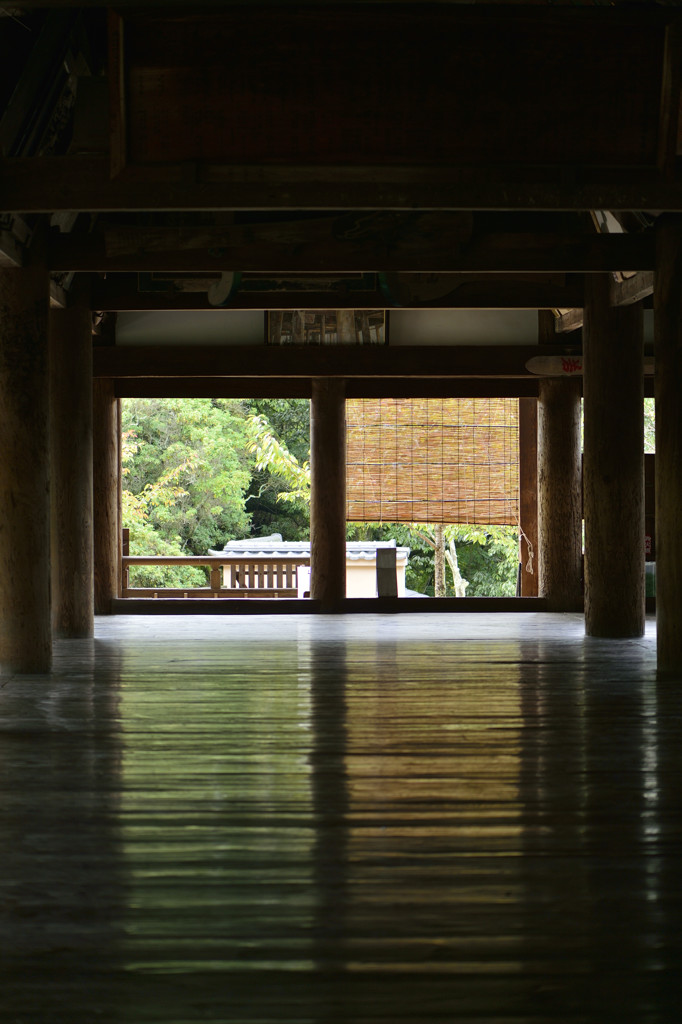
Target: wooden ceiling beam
x=348, y=243
x=120, y=293
x=84, y=183
x=291, y=362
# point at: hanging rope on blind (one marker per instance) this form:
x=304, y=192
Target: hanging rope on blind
x=531, y=553
x=452, y=460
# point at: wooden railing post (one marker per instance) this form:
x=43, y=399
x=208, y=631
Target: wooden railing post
x=247, y=578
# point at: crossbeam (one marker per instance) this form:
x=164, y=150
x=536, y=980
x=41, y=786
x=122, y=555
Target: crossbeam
x=292, y=362
x=84, y=183
x=121, y=292
x=351, y=243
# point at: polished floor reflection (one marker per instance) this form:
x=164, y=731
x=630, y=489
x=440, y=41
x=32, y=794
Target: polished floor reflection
x=452, y=818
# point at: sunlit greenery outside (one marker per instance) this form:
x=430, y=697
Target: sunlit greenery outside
x=649, y=426
x=200, y=472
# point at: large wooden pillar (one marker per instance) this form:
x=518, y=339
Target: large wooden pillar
x=25, y=622
x=106, y=487
x=328, y=492
x=668, y=389
x=560, y=540
x=71, y=448
x=613, y=469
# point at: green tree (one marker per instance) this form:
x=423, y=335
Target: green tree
x=488, y=557
x=478, y=561
x=144, y=538
x=649, y=425
x=191, y=469
x=282, y=426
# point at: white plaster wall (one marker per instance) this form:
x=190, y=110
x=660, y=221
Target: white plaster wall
x=361, y=579
x=195, y=327
x=463, y=327
x=407, y=327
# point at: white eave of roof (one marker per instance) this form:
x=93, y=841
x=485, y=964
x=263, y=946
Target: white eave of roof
x=275, y=547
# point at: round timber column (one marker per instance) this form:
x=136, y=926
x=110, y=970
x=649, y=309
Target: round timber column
x=71, y=449
x=668, y=385
x=560, y=541
x=25, y=620
x=613, y=472
x=328, y=492
x=345, y=326
x=107, y=499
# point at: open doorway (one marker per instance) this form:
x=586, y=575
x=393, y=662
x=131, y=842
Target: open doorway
x=437, y=478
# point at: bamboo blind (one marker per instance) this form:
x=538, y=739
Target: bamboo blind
x=432, y=460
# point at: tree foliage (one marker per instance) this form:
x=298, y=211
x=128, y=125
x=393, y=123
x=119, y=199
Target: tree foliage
x=649, y=425
x=185, y=473
x=190, y=468
x=482, y=560
x=274, y=456
x=279, y=441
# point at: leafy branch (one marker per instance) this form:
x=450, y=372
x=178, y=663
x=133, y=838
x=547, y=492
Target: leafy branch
x=275, y=457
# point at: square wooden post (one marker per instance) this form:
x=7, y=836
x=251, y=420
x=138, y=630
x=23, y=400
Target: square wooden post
x=328, y=492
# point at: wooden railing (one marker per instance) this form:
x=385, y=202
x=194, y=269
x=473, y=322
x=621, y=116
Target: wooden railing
x=229, y=576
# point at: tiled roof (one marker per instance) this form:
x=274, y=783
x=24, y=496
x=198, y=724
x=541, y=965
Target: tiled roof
x=274, y=547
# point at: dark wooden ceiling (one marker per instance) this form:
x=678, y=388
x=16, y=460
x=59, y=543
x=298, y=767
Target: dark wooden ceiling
x=454, y=151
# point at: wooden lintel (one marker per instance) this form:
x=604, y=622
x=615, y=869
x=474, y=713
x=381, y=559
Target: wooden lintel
x=211, y=387
x=84, y=183
x=119, y=293
x=293, y=362
x=277, y=387
x=352, y=242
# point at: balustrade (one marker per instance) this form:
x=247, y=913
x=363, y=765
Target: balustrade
x=228, y=577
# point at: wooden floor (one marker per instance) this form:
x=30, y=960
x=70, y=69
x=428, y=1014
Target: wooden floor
x=342, y=819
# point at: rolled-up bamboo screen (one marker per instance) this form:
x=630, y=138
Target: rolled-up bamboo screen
x=432, y=460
